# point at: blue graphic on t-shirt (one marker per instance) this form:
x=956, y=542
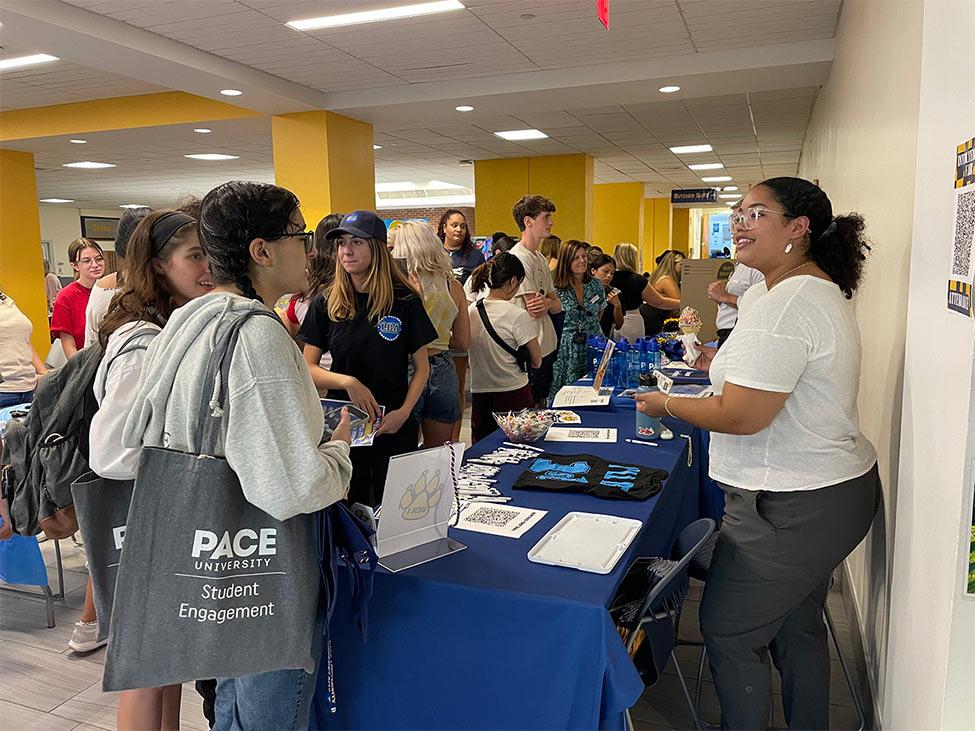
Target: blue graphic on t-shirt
x=549, y=470
x=389, y=328
x=620, y=476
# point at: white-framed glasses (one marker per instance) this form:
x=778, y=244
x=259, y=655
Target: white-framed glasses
x=746, y=219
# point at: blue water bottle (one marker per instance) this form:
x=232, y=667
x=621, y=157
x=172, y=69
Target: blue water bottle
x=644, y=355
x=633, y=366
x=620, y=356
x=647, y=427
x=653, y=355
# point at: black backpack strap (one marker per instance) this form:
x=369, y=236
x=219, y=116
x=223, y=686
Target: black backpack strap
x=482, y=311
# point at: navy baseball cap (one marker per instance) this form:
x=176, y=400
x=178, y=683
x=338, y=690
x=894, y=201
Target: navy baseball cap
x=361, y=224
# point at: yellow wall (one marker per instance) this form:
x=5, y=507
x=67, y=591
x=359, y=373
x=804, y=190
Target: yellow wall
x=618, y=214
x=327, y=160
x=681, y=236
x=21, y=267
x=564, y=179
x=145, y=110
x=657, y=229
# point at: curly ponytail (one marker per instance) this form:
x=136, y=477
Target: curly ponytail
x=234, y=214
x=837, y=245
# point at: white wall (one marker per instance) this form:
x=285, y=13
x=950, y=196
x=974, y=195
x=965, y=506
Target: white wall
x=931, y=654
x=61, y=225
x=862, y=146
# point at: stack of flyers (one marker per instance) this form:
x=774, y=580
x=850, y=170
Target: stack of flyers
x=362, y=427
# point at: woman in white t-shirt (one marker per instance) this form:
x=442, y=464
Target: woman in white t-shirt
x=20, y=366
x=497, y=381
x=800, y=481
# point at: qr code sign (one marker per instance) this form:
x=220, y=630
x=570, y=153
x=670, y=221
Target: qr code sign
x=964, y=233
x=495, y=517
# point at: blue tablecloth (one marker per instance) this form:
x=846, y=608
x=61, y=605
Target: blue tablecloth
x=485, y=638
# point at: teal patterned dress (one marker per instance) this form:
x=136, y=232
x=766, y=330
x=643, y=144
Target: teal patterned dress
x=580, y=317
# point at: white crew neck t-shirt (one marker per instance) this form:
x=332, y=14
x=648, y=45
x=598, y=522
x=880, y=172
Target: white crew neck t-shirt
x=800, y=338
x=492, y=369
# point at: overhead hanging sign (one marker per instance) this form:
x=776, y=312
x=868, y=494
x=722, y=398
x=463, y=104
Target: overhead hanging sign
x=693, y=196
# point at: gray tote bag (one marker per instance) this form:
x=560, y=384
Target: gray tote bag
x=209, y=586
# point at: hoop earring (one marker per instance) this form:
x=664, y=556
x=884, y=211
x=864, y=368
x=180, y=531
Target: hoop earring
x=788, y=247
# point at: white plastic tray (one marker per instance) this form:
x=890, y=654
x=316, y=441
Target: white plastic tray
x=586, y=541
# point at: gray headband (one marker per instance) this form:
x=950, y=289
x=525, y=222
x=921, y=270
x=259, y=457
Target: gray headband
x=164, y=227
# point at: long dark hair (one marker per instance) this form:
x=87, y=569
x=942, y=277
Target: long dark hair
x=234, y=214
x=497, y=272
x=145, y=295
x=468, y=243
x=836, y=245
x=323, y=267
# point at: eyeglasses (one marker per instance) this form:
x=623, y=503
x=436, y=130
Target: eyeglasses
x=749, y=218
x=307, y=237
x=89, y=262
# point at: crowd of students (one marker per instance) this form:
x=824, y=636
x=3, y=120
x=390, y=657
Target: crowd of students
x=395, y=323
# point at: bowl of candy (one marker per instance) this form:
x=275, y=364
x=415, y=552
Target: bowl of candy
x=525, y=426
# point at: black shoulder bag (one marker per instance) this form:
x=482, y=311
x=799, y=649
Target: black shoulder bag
x=522, y=357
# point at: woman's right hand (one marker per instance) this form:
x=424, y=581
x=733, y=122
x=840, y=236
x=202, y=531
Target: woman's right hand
x=362, y=397
x=343, y=432
x=614, y=299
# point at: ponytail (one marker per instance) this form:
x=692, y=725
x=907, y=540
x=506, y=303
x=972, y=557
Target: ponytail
x=836, y=245
x=497, y=272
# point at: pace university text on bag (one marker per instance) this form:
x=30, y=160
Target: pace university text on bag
x=209, y=585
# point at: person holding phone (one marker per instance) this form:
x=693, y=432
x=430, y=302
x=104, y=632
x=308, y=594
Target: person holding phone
x=603, y=267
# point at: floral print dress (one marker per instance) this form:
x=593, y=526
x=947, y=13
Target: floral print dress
x=581, y=322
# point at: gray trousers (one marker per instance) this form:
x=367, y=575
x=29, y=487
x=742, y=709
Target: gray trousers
x=765, y=593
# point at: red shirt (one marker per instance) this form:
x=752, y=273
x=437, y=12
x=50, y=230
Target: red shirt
x=69, y=312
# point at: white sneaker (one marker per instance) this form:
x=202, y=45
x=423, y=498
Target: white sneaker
x=85, y=637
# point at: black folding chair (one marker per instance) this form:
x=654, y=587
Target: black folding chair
x=649, y=626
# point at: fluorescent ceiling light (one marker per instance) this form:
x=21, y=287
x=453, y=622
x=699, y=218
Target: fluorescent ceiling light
x=78, y=142
x=231, y=92
x=464, y=108
x=730, y=203
x=377, y=147
x=395, y=187
x=717, y=179
x=441, y=185
x=218, y=156
x=730, y=187
x=21, y=61
x=668, y=89
x=372, y=16
x=57, y=200
x=521, y=134
x=688, y=149
x=133, y=205
x=202, y=130
x=730, y=196
x=87, y=164
x=706, y=166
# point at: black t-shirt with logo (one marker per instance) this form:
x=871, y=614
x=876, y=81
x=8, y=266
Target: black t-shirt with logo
x=593, y=475
x=375, y=352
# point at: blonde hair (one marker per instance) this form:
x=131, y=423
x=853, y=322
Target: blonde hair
x=550, y=247
x=423, y=250
x=381, y=278
x=668, y=267
x=627, y=257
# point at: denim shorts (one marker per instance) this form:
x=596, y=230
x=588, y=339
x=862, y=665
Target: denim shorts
x=440, y=400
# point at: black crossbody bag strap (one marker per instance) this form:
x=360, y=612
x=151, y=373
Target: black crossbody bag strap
x=520, y=358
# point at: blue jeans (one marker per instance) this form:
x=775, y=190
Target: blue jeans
x=12, y=399
x=279, y=700
x=440, y=400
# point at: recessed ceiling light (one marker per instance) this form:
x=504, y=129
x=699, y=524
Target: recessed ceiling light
x=730, y=203
x=527, y=16
x=730, y=187
x=231, y=92
x=78, y=142
x=133, y=205
x=521, y=134
x=218, y=156
x=730, y=196
x=716, y=179
x=668, y=89
x=377, y=147
x=688, y=149
x=57, y=200
x=373, y=16
x=464, y=108
x=202, y=130
x=87, y=164
x=21, y=61
x=395, y=187
x=706, y=166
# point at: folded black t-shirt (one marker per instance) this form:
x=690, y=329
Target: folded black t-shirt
x=593, y=475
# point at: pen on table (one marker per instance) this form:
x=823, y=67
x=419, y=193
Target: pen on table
x=640, y=441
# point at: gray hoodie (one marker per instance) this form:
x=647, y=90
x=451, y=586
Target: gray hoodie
x=271, y=430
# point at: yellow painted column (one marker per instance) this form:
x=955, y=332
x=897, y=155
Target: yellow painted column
x=658, y=229
x=566, y=180
x=498, y=184
x=618, y=214
x=327, y=160
x=21, y=262
x=681, y=237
